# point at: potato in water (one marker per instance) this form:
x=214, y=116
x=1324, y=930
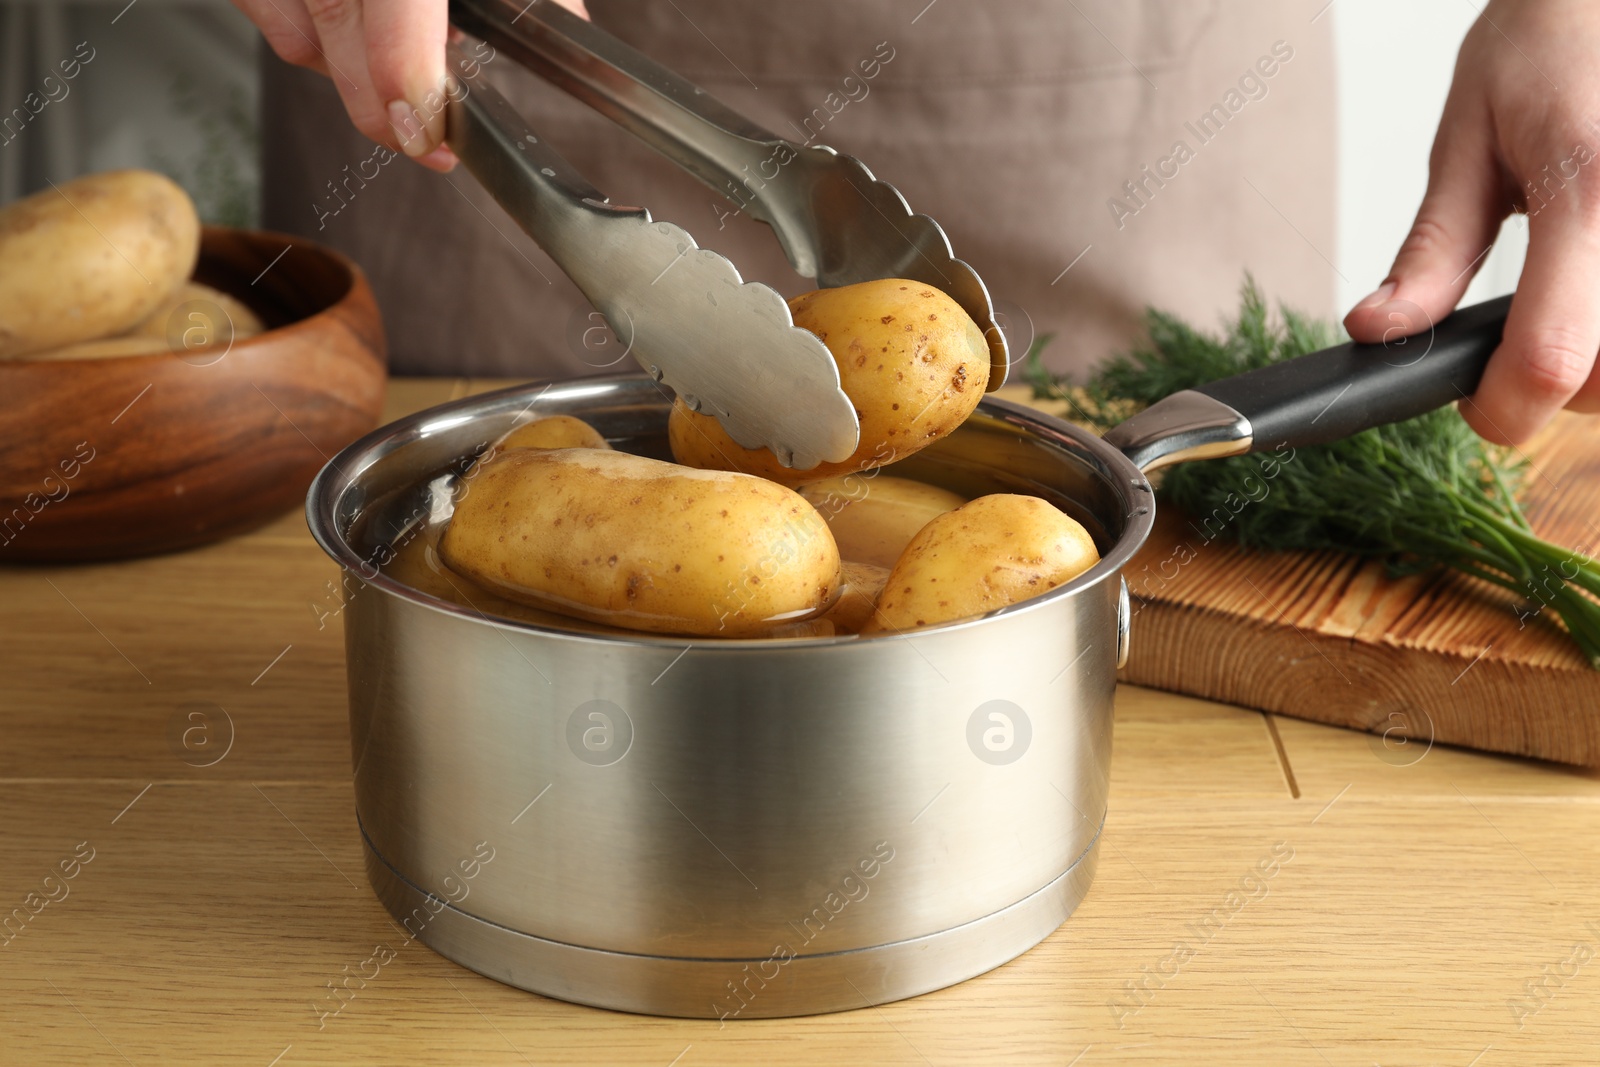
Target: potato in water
x=862, y=584
x=635, y=542
x=552, y=431
x=994, y=551
x=910, y=359
x=874, y=517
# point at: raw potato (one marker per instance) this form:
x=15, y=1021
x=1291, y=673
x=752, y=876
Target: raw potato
x=635, y=542
x=874, y=517
x=994, y=551
x=92, y=258
x=910, y=359
x=106, y=348
x=200, y=327
x=862, y=584
x=553, y=431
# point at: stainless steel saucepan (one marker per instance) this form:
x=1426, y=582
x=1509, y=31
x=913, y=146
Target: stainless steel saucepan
x=752, y=828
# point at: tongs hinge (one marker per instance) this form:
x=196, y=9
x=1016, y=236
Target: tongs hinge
x=728, y=347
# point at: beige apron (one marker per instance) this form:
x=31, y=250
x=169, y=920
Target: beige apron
x=1087, y=158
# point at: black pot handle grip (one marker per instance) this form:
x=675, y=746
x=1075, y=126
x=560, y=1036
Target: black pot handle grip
x=1339, y=391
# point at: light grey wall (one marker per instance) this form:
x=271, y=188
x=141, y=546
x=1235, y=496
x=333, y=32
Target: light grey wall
x=1394, y=67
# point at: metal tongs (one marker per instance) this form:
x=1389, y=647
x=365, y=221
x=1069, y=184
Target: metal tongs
x=729, y=348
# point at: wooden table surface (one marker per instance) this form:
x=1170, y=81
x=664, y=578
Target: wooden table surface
x=1437, y=906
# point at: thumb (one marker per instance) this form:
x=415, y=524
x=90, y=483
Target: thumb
x=1455, y=226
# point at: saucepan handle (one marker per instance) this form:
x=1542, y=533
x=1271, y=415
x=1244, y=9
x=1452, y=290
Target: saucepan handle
x=1320, y=397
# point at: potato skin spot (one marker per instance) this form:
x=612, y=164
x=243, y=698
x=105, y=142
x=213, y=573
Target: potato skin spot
x=921, y=345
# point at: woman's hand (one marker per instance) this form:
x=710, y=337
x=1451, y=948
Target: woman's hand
x=1519, y=133
x=386, y=57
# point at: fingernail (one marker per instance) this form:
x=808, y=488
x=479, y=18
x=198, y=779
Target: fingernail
x=440, y=159
x=1377, y=296
x=412, y=134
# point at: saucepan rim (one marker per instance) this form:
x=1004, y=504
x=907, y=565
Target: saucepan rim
x=345, y=471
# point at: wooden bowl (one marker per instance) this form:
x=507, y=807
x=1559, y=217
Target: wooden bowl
x=107, y=458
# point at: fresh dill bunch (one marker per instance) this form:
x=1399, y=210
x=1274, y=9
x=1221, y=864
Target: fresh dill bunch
x=1419, y=494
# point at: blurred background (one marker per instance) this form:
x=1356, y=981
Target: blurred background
x=172, y=85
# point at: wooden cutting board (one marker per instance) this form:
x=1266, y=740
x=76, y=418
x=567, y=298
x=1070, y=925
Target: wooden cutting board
x=1439, y=658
